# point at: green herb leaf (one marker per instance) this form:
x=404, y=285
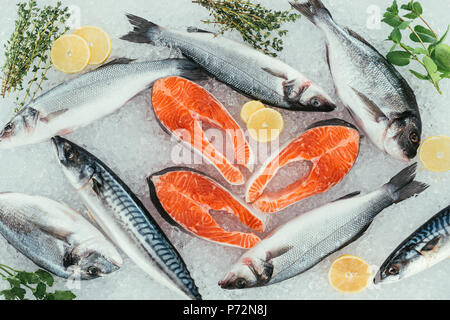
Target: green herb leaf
x=426, y=35
x=420, y=51
x=394, y=8
x=411, y=15
x=399, y=58
x=419, y=75
x=404, y=24
x=61, y=295
x=45, y=277
x=393, y=21
x=441, y=56
x=417, y=8
x=395, y=35
x=39, y=293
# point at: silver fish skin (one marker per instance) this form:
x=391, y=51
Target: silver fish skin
x=306, y=240
x=425, y=247
x=246, y=70
x=91, y=96
x=55, y=237
x=375, y=93
x=124, y=219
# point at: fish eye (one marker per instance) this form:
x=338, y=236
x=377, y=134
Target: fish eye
x=241, y=283
x=315, y=102
x=414, y=137
x=9, y=127
x=93, y=271
x=69, y=153
x=394, y=270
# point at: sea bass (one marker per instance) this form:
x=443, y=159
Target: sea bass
x=307, y=239
x=377, y=96
x=247, y=70
x=78, y=102
x=123, y=218
x=55, y=237
x=427, y=246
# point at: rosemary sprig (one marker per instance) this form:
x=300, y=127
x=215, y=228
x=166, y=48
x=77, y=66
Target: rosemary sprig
x=258, y=26
x=27, y=51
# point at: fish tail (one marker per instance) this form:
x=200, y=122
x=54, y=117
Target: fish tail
x=144, y=31
x=403, y=186
x=190, y=70
x=314, y=10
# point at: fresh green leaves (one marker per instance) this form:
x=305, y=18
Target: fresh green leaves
x=424, y=34
x=431, y=53
x=37, y=284
x=26, y=51
x=399, y=58
x=258, y=26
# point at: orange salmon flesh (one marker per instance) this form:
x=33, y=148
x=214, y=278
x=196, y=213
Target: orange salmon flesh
x=182, y=106
x=187, y=197
x=332, y=151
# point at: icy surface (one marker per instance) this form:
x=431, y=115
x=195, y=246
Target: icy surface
x=131, y=143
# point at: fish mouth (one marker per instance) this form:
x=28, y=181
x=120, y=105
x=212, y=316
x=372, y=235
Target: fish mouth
x=228, y=281
x=56, y=141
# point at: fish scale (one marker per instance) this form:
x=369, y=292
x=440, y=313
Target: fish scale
x=124, y=218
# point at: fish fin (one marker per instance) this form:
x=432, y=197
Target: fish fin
x=312, y=10
x=197, y=30
x=96, y=185
x=190, y=70
x=402, y=186
x=358, y=37
x=117, y=61
x=431, y=247
x=371, y=107
x=278, y=252
x=56, y=233
x=276, y=73
x=144, y=31
x=63, y=132
x=49, y=117
x=348, y=196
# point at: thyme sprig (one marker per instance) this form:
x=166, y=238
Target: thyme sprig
x=36, y=282
x=27, y=51
x=434, y=57
x=258, y=26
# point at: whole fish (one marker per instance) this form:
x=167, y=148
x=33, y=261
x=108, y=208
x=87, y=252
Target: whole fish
x=427, y=246
x=377, y=96
x=124, y=218
x=78, y=102
x=55, y=237
x=307, y=239
x=241, y=67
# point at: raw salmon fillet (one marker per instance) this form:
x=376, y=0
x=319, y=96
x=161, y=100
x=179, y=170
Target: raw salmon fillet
x=331, y=146
x=185, y=198
x=182, y=106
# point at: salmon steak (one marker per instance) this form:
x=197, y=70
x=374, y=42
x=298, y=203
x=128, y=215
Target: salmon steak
x=182, y=106
x=186, y=198
x=331, y=148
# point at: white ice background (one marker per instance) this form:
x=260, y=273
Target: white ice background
x=131, y=142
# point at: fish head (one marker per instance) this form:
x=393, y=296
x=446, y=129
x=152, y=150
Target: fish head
x=93, y=264
x=19, y=128
x=306, y=96
x=403, y=137
x=247, y=273
x=74, y=161
x=400, y=265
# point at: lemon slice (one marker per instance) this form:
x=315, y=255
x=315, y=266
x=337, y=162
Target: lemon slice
x=98, y=41
x=265, y=125
x=435, y=153
x=70, y=53
x=349, y=274
x=250, y=108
